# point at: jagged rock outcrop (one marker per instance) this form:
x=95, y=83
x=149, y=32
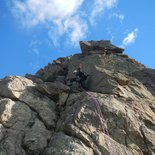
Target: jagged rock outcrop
x=99, y=47
x=41, y=115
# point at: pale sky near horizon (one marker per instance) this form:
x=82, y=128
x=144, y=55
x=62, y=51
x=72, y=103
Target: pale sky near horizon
x=35, y=32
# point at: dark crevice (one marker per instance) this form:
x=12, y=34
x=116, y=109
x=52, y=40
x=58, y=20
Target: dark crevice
x=66, y=99
x=11, y=98
x=39, y=117
x=54, y=97
x=59, y=109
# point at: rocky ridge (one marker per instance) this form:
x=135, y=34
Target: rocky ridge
x=41, y=115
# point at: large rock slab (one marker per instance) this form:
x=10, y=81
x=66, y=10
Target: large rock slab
x=111, y=74
x=23, y=89
x=36, y=138
x=51, y=72
x=62, y=144
x=13, y=86
x=57, y=91
x=99, y=47
x=21, y=131
x=123, y=119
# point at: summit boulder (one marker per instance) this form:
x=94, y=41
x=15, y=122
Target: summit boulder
x=99, y=47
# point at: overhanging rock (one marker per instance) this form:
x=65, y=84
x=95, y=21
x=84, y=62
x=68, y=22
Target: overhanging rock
x=99, y=47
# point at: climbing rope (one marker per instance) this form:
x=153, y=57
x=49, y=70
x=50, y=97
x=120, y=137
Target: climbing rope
x=104, y=128
x=98, y=111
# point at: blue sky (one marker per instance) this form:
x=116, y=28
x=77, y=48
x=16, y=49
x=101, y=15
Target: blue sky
x=34, y=32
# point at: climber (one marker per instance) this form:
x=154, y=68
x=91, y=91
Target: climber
x=80, y=77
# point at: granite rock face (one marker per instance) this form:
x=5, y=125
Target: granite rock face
x=42, y=115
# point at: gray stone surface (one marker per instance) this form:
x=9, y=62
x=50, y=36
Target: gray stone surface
x=99, y=47
x=62, y=144
x=41, y=116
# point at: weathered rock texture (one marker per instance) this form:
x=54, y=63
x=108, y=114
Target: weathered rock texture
x=41, y=115
x=99, y=47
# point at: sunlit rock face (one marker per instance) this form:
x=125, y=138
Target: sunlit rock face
x=42, y=114
x=99, y=47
